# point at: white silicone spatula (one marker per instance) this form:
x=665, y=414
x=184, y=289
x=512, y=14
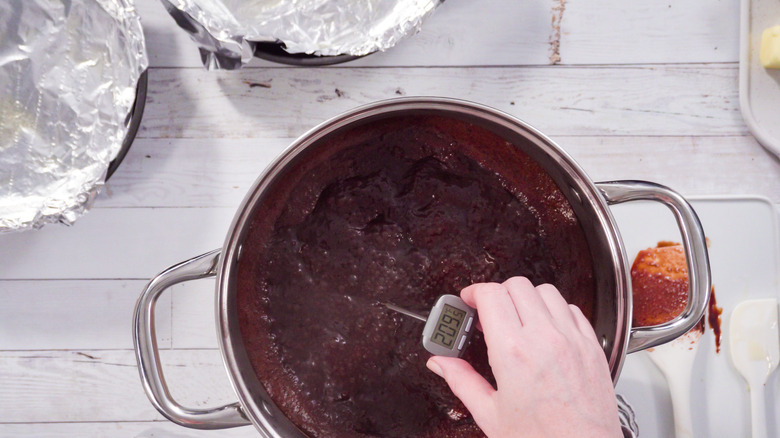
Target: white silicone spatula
x=754, y=343
x=675, y=360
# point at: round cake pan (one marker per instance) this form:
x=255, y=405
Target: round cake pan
x=275, y=52
x=136, y=113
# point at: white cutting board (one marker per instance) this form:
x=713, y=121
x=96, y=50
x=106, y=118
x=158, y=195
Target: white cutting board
x=743, y=235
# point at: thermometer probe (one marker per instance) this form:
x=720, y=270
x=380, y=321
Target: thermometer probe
x=448, y=327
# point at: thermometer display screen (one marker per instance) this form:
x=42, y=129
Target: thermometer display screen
x=448, y=325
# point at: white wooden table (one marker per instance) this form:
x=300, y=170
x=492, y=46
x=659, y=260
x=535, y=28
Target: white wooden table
x=642, y=90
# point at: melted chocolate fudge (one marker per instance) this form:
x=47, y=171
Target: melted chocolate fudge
x=399, y=210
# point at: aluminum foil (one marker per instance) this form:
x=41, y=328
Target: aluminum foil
x=68, y=76
x=225, y=30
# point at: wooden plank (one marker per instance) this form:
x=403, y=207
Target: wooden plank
x=283, y=103
x=508, y=32
x=149, y=429
x=189, y=172
x=219, y=172
x=619, y=32
x=74, y=314
x=690, y=165
x=193, y=323
x=67, y=386
x=114, y=243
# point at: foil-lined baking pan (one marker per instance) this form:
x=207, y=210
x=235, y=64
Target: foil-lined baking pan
x=70, y=102
x=300, y=32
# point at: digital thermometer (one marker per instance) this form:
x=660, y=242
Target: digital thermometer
x=448, y=327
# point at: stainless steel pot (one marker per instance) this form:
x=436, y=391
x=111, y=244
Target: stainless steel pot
x=589, y=200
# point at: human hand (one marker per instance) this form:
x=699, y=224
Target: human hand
x=552, y=376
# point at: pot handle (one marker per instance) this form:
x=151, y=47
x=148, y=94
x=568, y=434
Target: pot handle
x=148, y=356
x=694, y=244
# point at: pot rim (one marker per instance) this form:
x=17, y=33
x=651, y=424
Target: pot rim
x=587, y=192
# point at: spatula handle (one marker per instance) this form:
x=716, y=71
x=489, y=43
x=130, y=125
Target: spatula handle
x=680, y=391
x=676, y=360
x=757, y=410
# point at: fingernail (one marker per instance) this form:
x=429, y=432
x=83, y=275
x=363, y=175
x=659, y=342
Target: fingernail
x=433, y=366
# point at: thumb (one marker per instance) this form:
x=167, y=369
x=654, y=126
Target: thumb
x=468, y=385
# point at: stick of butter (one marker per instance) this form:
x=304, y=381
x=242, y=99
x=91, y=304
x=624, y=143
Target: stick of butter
x=770, y=47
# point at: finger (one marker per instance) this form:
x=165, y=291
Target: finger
x=495, y=309
x=468, y=385
x=559, y=310
x=527, y=302
x=467, y=293
x=583, y=324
